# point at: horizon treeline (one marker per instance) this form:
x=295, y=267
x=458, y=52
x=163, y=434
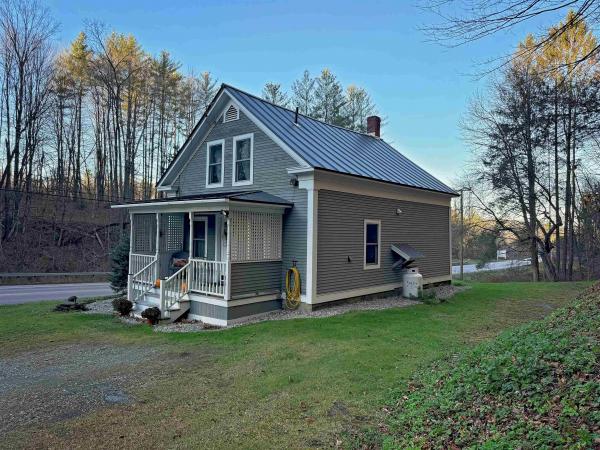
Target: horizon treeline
x=102, y=118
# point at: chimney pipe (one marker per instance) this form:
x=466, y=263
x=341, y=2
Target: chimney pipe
x=374, y=125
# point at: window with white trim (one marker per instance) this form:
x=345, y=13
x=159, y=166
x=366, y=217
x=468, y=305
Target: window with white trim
x=214, y=163
x=243, y=159
x=372, y=244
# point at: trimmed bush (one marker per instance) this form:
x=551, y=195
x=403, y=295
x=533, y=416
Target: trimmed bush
x=119, y=263
x=152, y=315
x=122, y=306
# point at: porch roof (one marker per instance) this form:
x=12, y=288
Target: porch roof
x=253, y=197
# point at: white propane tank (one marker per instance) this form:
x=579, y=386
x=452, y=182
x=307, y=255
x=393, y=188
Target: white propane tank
x=412, y=283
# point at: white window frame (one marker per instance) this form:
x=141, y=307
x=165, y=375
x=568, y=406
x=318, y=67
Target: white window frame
x=371, y=265
x=242, y=137
x=205, y=220
x=208, y=146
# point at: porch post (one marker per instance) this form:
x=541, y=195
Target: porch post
x=157, y=250
x=228, y=259
x=129, y=274
x=190, y=244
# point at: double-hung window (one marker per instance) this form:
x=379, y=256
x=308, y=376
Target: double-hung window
x=243, y=164
x=214, y=163
x=372, y=244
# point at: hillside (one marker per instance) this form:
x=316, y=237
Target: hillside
x=537, y=386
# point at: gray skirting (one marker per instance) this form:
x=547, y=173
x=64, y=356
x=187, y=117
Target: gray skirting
x=233, y=312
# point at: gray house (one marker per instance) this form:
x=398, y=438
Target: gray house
x=257, y=189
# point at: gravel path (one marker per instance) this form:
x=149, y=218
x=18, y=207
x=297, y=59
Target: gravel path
x=100, y=307
x=285, y=314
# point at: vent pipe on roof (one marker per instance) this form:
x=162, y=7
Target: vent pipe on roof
x=374, y=125
x=296, y=117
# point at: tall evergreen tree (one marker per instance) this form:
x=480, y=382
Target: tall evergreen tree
x=303, y=93
x=329, y=99
x=274, y=93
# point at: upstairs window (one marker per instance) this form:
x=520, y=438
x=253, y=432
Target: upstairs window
x=243, y=164
x=214, y=163
x=372, y=244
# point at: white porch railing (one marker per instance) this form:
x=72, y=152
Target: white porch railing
x=138, y=261
x=172, y=289
x=143, y=281
x=208, y=277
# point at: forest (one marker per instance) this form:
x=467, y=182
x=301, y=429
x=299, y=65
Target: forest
x=98, y=122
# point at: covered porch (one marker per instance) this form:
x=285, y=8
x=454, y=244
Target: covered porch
x=183, y=249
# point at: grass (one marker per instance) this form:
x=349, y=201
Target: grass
x=281, y=384
x=537, y=386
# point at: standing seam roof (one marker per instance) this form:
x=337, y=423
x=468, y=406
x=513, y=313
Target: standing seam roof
x=338, y=149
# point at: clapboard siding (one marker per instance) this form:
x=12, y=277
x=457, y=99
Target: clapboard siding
x=255, y=278
x=270, y=175
x=341, y=234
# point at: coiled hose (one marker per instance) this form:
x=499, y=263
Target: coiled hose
x=292, y=288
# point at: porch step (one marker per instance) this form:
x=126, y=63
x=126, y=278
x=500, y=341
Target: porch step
x=178, y=310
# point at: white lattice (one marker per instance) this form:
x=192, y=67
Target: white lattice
x=255, y=236
x=144, y=233
x=173, y=225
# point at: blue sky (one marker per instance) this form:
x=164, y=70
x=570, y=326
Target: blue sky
x=421, y=88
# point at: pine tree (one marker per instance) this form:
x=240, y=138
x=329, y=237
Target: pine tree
x=274, y=93
x=357, y=108
x=329, y=99
x=303, y=91
x=119, y=262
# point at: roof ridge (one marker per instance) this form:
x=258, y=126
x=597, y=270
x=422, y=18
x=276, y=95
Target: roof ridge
x=225, y=85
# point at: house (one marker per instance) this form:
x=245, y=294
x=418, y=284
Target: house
x=257, y=189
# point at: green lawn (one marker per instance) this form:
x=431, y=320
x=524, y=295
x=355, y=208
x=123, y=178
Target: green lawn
x=285, y=384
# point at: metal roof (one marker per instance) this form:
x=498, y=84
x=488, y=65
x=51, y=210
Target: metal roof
x=329, y=147
x=246, y=196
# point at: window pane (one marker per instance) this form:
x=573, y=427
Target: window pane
x=242, y=171
x=214, y=174
x=199, y=248
x=372, y=233
x=216, y=153
x=243, y=149
x=371, y=254
x=199, y=229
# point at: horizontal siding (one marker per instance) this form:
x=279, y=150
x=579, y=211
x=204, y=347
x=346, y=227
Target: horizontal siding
x=237, y=312
x=255, y=278
x=207, y=310
x=341, y=233
x=270, y=175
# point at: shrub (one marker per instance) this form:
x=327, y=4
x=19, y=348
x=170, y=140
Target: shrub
x=152, y=315
x=122, y=306
x=119, y=263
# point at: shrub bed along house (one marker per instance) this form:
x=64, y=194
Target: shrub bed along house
x=537, y=386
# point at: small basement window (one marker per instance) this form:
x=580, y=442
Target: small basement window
x=231, y=114
x=243, y=151
x=372, y=244
x=214, y=163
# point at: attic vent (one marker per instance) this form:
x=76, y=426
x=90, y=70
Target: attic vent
x=231, y=114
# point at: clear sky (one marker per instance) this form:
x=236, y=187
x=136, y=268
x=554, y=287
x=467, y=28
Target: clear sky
x=421, y=88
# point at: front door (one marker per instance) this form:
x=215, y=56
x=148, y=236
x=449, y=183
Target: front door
x=199, y=238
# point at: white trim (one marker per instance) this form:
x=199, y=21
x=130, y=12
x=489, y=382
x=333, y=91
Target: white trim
x=268, y=132
x=311, y=240
x=234, y=158
x=205, y=220
x=208, y=320
x=378, y=265
x=208, y=146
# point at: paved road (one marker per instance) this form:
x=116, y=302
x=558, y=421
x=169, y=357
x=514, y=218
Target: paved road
x=494, y=265
x=26, y=293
